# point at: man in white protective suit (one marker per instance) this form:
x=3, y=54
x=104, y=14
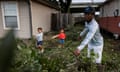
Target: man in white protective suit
x=93, y=38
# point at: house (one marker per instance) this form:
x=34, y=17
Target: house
x=110, y=16
x=25, y=16
x=77, y=9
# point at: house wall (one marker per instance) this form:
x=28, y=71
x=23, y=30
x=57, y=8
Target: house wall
x=41, y=17
x=108, y=21
x=2, y=31
x=24, y=31
x=108, y=9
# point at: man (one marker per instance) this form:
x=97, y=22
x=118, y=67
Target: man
x=93, y=38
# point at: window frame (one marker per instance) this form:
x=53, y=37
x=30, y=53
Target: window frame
x=3, y=16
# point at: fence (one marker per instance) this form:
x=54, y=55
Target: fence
x=61, y=20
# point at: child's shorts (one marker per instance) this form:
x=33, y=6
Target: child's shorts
x=39, y=43
x=61, y=41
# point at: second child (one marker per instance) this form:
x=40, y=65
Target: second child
x=61, y=36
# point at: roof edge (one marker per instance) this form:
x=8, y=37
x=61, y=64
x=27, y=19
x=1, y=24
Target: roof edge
x=106, y=2
x=47, y=3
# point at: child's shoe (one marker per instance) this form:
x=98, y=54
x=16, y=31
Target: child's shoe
x=42, y=50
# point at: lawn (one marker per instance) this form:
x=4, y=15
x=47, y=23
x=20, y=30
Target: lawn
x=55, y=59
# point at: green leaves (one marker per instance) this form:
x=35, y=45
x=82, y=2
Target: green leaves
x=54, y=59
x=65, y=4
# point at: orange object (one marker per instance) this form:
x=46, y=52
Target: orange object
x=62, y=36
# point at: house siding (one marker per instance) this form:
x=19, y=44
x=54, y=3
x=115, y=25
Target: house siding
x=24, y=31
x=2, y=31
x=108, y=21
x=41, y=17
x=107, y=10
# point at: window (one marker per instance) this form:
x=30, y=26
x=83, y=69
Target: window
x=10, y=14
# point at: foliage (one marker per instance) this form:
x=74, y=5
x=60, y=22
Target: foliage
x=65, y=4
x=55, y=59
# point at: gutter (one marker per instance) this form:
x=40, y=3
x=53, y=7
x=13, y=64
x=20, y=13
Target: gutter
x=106, y=2
x=30, y=18
x=48, y=4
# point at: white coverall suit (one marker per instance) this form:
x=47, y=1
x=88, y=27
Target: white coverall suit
x=93, y=39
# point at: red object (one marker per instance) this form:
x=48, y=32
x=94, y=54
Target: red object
x=62, y=36
x=111, y=24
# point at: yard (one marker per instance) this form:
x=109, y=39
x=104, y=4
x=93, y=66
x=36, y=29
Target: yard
x=55, y=59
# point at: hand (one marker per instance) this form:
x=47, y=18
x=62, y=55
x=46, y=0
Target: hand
x=77, y=52
x=79, y=38
x=55, y=36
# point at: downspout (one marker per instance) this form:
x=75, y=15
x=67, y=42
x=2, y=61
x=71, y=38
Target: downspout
x=30, y=18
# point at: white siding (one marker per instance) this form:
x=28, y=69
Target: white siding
x=41, y=17
x=24, y=31
x=108, y=9
x=2, y=31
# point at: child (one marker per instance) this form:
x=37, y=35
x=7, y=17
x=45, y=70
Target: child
x=39, y=38
x=61, y=36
